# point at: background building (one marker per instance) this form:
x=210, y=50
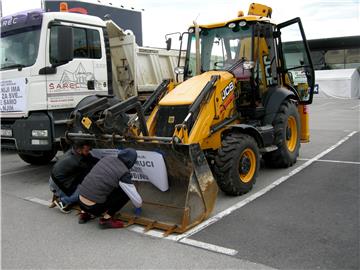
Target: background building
x=337, y=65
x=335, y=53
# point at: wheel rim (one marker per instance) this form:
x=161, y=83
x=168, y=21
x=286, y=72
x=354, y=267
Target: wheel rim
x=247, y=165
x=291, y=134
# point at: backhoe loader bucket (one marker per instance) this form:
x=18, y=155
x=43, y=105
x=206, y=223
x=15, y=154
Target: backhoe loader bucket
x=191, y=195
x=191, y=189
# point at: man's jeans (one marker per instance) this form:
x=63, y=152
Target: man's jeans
x=65, y=199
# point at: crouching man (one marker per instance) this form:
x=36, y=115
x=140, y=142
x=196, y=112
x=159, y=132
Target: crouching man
x=107, y=188
x=68, y=172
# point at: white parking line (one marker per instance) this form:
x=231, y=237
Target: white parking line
x=261, y=192
x=332, y=161
x=355, y=107
x=207, y=246
x=187, y=241
x=20, y=171
x=37, y=200
x=152, y=233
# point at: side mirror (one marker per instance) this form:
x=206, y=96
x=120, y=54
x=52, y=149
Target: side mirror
x=65, y=45
x=168, y=44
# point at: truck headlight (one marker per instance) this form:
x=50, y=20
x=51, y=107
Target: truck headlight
x=39, y=142
x=39, y=133
x=6, y=132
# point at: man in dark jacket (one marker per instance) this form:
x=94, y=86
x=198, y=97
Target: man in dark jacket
x=68, y=172
x=107, y=188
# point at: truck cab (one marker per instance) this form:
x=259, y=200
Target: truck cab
x=49, y=62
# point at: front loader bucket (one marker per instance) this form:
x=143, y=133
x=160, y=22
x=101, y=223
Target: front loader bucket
x=191, y=195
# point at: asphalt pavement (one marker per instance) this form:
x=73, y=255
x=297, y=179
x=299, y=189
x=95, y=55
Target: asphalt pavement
x=310, y=221
x=303, y=217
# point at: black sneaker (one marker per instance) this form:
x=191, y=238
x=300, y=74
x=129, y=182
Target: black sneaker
x=63, y=208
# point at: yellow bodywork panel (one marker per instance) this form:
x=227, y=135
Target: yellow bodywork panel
x=304, y=122
x=249, y=18
x=151, y=121
x=219, y=106
x=260, y=48
x=260, y=10
x=186, y=92
x=261, y=52
x=257, y=12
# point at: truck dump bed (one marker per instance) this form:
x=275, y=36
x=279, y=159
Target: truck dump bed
x=137, y=71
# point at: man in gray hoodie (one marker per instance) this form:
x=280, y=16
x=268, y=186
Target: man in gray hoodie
x=107, y=188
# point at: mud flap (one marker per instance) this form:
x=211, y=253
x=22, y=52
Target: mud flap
x=191, y=195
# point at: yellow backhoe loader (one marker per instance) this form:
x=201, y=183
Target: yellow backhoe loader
x=246, y=86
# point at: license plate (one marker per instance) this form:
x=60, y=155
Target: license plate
x=6, y=132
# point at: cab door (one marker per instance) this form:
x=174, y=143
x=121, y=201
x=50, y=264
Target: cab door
x=297, y=71
x=72, y=81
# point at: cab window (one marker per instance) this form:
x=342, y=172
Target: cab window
x=87, y=43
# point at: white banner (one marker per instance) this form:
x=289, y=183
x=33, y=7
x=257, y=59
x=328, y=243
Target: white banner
x=149, y=167
x=13, y=97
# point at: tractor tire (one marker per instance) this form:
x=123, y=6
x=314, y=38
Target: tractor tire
x=237, y=164
x=35, y=158
x=287, y=137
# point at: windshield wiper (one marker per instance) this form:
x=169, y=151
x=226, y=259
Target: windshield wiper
x=19, y=66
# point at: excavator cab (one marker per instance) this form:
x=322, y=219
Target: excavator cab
x=275, y=54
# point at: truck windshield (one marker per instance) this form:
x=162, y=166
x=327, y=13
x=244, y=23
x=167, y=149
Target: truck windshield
x=19, y=49
x=220, y=47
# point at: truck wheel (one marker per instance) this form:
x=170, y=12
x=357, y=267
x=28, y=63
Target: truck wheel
x=237, y=164
x=287, y=137
x=38, y=158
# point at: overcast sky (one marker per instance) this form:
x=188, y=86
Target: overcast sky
x=321, y=18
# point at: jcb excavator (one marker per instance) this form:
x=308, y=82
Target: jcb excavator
x=246, y=86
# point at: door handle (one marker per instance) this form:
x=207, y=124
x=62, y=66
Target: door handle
x=47, y=70
x=91, y=85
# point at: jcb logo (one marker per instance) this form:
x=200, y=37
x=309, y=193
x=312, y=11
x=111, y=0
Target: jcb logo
x=227, y=90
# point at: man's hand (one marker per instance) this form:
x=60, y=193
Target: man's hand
x=138, y=211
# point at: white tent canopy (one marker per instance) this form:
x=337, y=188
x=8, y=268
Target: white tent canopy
x=339, y=83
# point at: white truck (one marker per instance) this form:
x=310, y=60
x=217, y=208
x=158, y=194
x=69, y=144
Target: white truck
x=52, y=60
